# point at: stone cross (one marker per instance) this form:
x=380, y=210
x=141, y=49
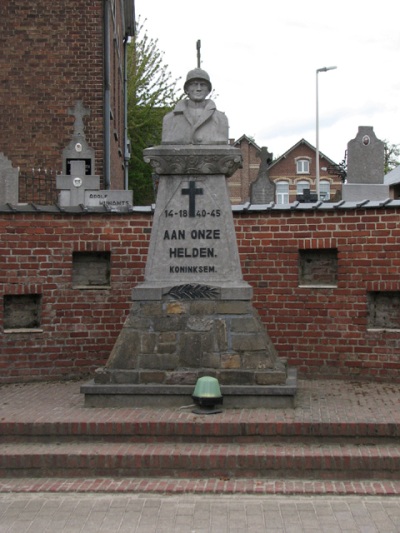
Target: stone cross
x=307, y=196
x=262, y=190
x=73, y=187
x=79, y=111
x=198, y=46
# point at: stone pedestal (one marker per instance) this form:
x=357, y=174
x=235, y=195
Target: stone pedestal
x=193, y=315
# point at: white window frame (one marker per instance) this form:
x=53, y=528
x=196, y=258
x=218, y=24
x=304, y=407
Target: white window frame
x=282, y=197
x=303, y=165
x=301, y=185
x=325, y=195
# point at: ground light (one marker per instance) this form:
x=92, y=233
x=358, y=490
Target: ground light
x=207, y=394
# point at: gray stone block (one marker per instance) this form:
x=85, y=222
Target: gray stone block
x=126, y=350
x=152, y=376
x=200, y=323
x=257, y=360
x=248, y=342
x=245, y=325
x=148, y=342
x=231, y=361
x=158, y=362
x=9, y=181
x=220, y=335
x=233, y=307
x=275, y=396
x=236, y=377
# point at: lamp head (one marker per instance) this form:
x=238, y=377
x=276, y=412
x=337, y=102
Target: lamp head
x=207, y=394
x=324, y=69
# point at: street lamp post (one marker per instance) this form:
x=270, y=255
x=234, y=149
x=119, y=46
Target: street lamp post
x=317, y=180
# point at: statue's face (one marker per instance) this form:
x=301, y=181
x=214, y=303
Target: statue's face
x=197, y=90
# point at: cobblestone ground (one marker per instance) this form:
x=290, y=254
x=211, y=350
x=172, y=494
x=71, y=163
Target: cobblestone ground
x=123, y=513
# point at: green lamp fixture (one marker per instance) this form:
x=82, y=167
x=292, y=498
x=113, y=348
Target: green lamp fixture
x=207, y=394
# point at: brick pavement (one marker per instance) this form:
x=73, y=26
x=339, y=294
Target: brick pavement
x=123, y=513
x=334, y=407
x=323, y=401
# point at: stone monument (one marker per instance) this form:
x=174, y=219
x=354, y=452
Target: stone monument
x=9, y=181
x=193, y=315
x=262, y=190
x=77, y=184
x=365, y=168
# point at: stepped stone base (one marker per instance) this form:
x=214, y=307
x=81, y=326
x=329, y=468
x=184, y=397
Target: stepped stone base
x=234, y=396
x=166, y=345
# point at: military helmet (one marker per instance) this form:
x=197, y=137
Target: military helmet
x=197, y=74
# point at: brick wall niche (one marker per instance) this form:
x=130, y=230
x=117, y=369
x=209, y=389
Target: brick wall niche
x=384, y=309
x=91, y=269
x=22, y=311
x=318, y=267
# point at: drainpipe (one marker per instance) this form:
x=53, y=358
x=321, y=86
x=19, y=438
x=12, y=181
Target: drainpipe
x=127, y=152
x=107, y=101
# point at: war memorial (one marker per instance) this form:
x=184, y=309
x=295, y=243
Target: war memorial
x=193, y=316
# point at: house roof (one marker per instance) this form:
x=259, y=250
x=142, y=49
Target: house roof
x=302, y=141
x=393, y=176
x=249, y=140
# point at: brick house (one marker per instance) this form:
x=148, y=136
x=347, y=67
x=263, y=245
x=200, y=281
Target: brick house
x=295, y=171
x=239, y=183
x=55, y=53
x=292, y=172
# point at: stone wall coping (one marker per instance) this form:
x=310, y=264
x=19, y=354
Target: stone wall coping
x=245, y=208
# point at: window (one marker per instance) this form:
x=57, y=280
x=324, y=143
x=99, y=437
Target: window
x=282, y=192
x=325, y=190
x=302, y=166
x=301, y=185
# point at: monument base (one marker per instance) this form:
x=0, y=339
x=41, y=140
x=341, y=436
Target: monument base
x=193, y=315
x=356, y=192
x=163, y=396
x=165, y=346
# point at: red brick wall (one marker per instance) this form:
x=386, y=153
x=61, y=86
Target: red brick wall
x=322, y=331
x=79, y=326
x=52, y=56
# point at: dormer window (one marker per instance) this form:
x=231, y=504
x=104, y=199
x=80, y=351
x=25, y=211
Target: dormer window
x=302, y=165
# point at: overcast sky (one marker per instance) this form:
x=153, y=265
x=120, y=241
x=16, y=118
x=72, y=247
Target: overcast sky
x=262, y=58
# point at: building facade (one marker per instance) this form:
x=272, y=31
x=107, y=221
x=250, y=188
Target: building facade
x=239, y=183
x=55, y=54
x=292, y=173
x=295, y=171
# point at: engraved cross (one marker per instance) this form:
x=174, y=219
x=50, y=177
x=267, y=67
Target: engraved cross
x=192, y=192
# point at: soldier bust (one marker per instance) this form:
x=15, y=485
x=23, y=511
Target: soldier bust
x=196, y=120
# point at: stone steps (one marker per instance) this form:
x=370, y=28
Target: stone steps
x=210, y=486
x=198, y=429
x=335, y=461
x=340, y=439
